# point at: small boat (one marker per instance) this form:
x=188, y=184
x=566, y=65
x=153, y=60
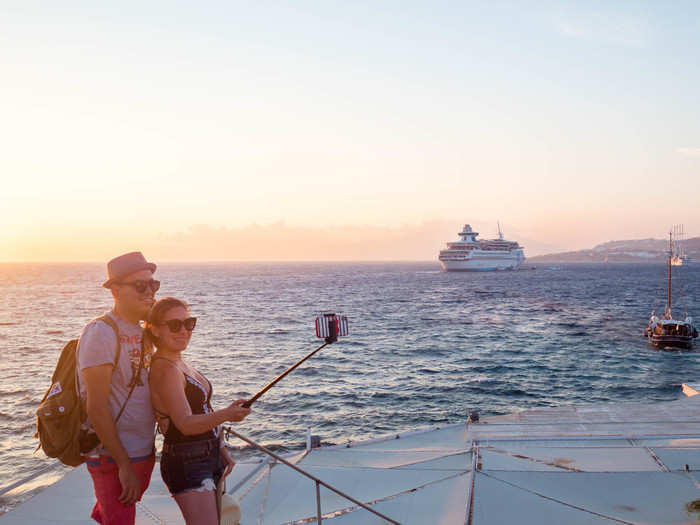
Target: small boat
x=665, y=331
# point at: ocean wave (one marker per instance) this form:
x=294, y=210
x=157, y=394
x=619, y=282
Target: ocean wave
x=477, y=379
x=422, y=348
x=17, y=393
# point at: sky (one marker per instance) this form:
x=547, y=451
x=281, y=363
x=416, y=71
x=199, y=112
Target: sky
x=343, y=130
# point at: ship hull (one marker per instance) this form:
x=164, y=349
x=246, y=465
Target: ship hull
x=484, y=265
x=671, y=341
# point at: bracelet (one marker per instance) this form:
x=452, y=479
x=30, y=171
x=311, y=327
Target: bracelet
x=222, y=444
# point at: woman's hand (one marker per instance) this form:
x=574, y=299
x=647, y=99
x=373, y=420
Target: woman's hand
x=229, y=462
x=235, y=412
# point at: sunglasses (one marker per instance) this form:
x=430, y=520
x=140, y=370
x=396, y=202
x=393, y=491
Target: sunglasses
x=175, y=325
x=142, y=286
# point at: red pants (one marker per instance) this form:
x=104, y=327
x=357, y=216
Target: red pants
x=105, y=477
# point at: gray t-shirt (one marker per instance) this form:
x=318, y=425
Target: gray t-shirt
x=98, y=346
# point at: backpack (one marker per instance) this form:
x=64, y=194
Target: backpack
x=61, y=413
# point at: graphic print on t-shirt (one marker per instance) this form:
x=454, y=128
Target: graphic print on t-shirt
x=135, y=355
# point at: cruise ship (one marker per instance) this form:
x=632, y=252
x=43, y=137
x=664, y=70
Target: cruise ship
x=469, y=254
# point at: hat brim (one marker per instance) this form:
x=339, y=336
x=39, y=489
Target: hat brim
x=148, y=266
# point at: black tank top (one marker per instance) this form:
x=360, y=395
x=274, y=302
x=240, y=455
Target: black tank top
x=199, y=400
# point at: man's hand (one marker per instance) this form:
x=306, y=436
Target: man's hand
x=131, y=485
x=98, y=380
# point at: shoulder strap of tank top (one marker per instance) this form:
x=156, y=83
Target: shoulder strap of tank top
x=211, y=387
x=156, y=357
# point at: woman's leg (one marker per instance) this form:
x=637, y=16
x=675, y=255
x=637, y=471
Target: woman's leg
x=198, y=508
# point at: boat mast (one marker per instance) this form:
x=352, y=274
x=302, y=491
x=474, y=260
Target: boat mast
x=670, y=255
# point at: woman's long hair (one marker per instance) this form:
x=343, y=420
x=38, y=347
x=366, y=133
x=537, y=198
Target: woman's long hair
x=157, y=313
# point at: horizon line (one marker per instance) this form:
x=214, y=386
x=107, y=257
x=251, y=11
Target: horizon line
x=324, y=261
x=236, y=261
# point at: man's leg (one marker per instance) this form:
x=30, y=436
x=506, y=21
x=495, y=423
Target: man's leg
x=105, y=477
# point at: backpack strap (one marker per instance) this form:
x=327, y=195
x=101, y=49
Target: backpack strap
x=134, y=381
x=107, y=319
x=135, y=375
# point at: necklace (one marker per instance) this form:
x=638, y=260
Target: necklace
x=161, y=356
x=190, y=371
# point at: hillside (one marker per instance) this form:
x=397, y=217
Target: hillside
x=635, y=250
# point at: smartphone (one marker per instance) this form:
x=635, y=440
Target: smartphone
x=331, y=325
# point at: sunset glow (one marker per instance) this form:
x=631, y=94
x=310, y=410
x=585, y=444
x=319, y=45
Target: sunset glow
x=322, y=132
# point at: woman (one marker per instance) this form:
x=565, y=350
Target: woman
x=194, y=457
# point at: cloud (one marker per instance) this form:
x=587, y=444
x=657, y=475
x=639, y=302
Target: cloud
x=255, y=242
x=621, y=29
x=279, y=241
x=689, y=152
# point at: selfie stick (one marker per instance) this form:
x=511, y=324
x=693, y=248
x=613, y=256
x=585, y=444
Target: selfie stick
x=331, y=338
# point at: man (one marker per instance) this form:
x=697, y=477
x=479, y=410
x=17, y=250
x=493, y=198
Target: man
x=122, y=463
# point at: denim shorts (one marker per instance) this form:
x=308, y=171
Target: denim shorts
x=186, y=466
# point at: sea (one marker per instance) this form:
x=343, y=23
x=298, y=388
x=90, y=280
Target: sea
x=424, y=348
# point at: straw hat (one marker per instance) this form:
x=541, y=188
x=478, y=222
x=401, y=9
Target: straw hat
x=123, y=265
